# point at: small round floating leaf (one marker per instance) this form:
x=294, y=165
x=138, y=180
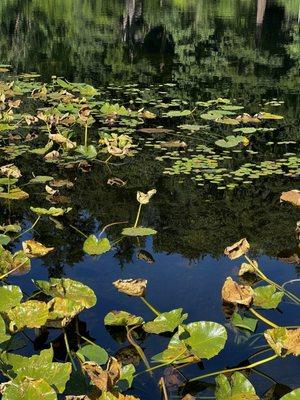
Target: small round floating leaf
x=53, y=211
x=138, y=231
x=94, y=246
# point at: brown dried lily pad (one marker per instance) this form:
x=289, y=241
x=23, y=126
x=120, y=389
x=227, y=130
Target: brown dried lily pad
x=132, y=287
x=234, y=293
x=292, y=196
x=238, y=249
x=284, y=341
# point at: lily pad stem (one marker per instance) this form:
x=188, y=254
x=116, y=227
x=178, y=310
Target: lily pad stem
x=79, y=231
x=137, y=347
x=86, y=136
x=262, y=318
x=109, y=225
x=137, y=216
x=13, y=270
x=225, y=371
x=29, y=229
x=154, y=310
x=69, y=351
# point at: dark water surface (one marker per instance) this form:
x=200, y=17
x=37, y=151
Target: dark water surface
x=208, y=48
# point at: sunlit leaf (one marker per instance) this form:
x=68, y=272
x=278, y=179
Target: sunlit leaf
x=267, y=297
x=122, y=318
x=238, y=388
x=166, y=322
x=94, y=246
x=30, y=314
x=138, y=231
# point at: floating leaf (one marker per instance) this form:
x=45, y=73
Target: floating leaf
x=93, y=352
x=35, y=249
x=30, y=314
x=230, y=141
x=238, y=388
x=292, y=196
x=284, y=341
x=234, y=293
x=166, y=322
x=238, y=249
x=266, y=115
x=14, y=194
x=244, y=322
x=29, y=389
x=40, y=366
x=132, y=287
x=69, y=289
x=94, y=246
x=87, y=151
x=267, y=297
x=3, y=335
x=40, y=179
x=138, y=231
x=53, y=211
x=176, y=113
x=10, y=296
x=126, y=378
x=204, y=339
x=122, y=318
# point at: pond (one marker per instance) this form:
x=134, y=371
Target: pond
x=206, y=94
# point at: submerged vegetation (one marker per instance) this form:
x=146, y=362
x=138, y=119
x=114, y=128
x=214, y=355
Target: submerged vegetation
x=75, y=127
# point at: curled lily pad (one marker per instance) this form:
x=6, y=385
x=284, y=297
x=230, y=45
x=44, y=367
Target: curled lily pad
x=30, y=314
x=122, y=318
x=144, y=198
x=292, y=196
x=204, y=339
x=53, y=211
x=166, y=322
x=267, y=297
x=138, y=231
x=94, y=246
x=237, y=388
x=284, y=341
x=132, y=287
x=35, y=249
x=234, y=293
x=238, y=249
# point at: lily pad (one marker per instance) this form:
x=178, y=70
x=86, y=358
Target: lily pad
x=53, y=211
x=30, y=314
x=93, y=352
x=267, y=297
x=29, y=389
x=122, y=318
x=244, y=322
x=205, y=339
x=166, y=322
x=138, y=231
x=10, y=296
x=94, y=246
x=237, y=388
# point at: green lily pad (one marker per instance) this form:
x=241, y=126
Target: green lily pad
x=122, y=318
x=88, y=152
x=14, y=194
x=93, y=352
x=230, y=141
x=176, y=113
x=30, y=314
x=166, y=322
x=205, y=339
x=138, y=231
x=29, y=389
x=69, y=289
x=267, y=297
x=10, y=296
x=53, y=211
x=126, y=378
x=94, y=246
x=238, y=388
x=40, y=366
x=41, y=179
x=4, y=239
x=244, y=322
